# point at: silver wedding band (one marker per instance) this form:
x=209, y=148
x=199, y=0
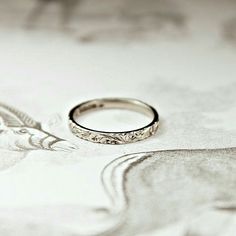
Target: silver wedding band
x=105, y=137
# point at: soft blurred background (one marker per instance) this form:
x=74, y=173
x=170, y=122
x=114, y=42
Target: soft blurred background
x=92, y=20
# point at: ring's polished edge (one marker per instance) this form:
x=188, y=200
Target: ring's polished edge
x=122, y=137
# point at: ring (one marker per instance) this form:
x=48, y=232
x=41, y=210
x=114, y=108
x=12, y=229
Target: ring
x=105, y=137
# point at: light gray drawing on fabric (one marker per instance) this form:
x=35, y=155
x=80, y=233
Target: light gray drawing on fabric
x=20, y=134
x=157, y=189
x=166, y=186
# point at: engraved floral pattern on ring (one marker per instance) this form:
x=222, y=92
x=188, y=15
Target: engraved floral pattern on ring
x=113, y=137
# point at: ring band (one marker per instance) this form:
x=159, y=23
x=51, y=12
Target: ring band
x=105, y=137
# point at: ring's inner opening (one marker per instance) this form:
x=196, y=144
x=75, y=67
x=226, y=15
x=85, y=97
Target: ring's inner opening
x=113, y=116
